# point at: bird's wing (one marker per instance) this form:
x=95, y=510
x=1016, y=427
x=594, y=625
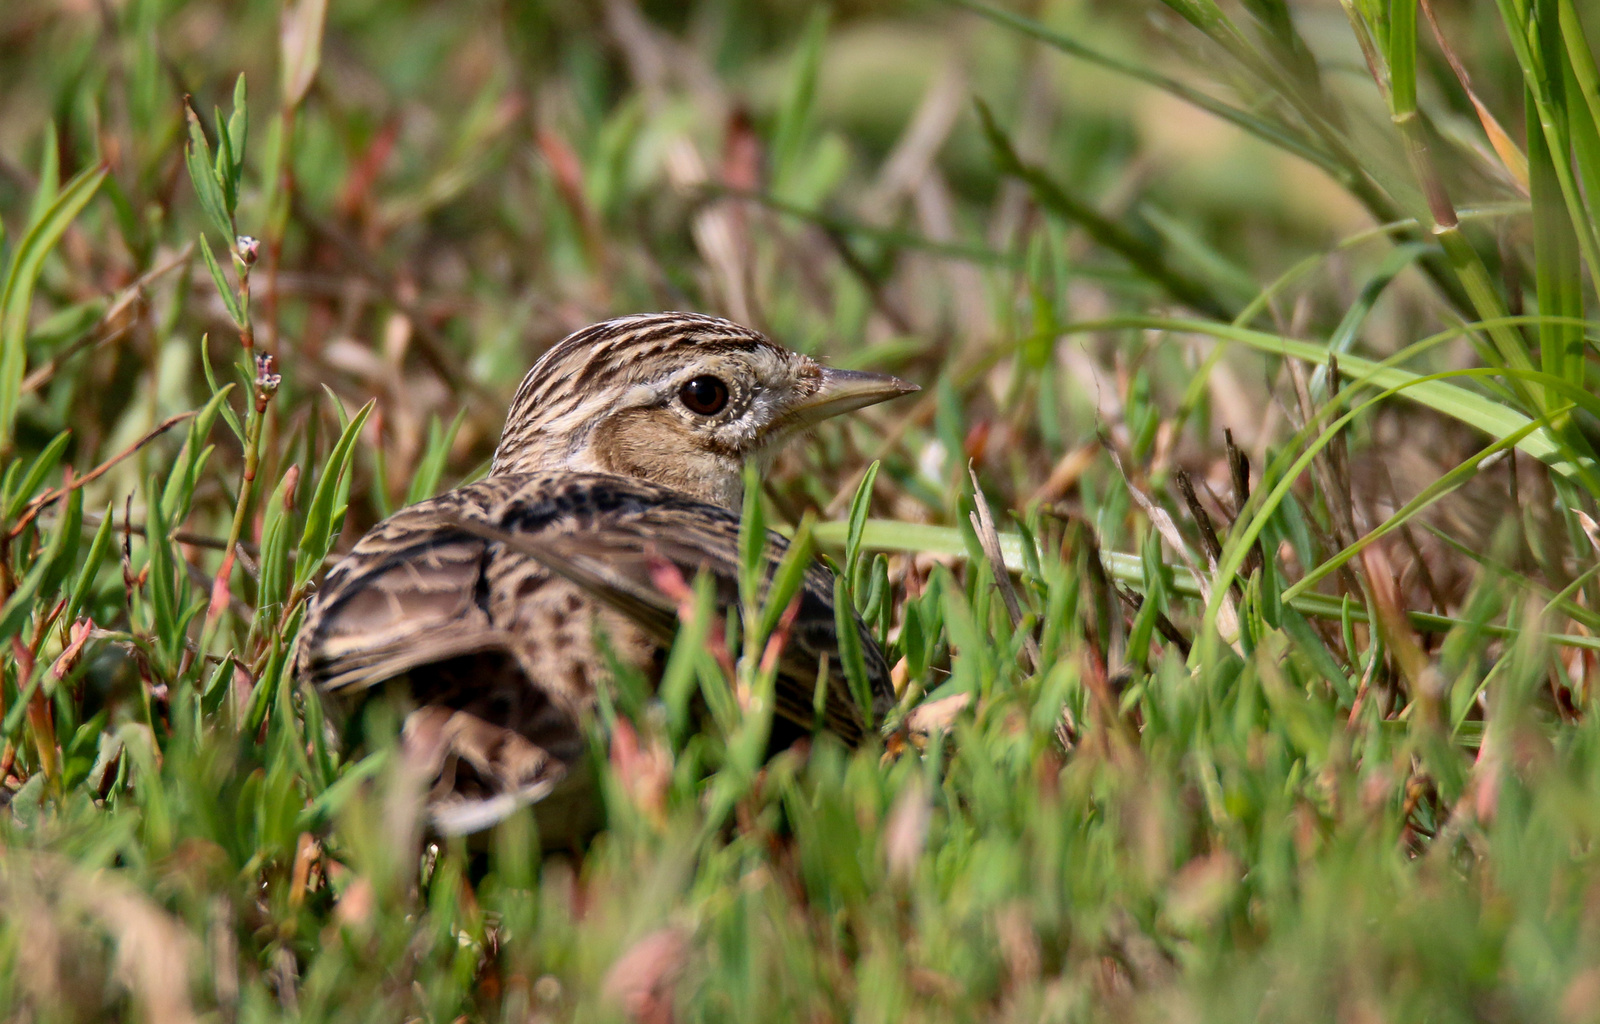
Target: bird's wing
x=615, y=533
x=407, y=595
x=615, y=562
x=418, y=588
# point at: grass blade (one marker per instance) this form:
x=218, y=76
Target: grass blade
x=16, y=299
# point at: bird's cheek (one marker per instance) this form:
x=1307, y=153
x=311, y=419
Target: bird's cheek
x=649, y=447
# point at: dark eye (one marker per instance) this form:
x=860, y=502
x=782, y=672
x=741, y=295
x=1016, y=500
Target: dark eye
x=704, y=395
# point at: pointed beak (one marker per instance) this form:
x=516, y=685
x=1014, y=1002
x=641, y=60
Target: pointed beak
x=845, y=391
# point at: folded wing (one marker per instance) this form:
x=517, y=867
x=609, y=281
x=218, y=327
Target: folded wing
x=456, y=576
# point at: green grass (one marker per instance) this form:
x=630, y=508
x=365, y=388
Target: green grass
x=1316, y=743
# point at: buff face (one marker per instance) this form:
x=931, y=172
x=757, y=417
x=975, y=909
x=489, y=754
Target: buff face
x=676, y=399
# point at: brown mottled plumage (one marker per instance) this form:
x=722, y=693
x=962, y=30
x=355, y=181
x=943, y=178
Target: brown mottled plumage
x=623, y=447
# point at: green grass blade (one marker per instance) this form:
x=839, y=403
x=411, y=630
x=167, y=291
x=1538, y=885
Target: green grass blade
x=323, y=518
x=43, y=464
x=788, y=577
x=229, y=298
x=752, y=547
x=851, y=659
x=202, y=173
x=860, y=505
x=798, y=114
x=1427, y=496
x=81, y=587
x=16, y=299
x=430, y=468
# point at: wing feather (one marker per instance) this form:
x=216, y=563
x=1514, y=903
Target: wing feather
x=422, y=585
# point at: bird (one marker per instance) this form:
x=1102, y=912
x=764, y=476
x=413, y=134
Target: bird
x=623, y=453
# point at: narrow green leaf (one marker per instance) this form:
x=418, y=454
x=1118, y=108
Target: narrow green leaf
x=338, y=407
x=49, y=174
x=1402, y=55
x=228, y=414
x=1344, y=336
x=1556, y=265
x=430, y=468
x=203, y=174
x=225, y=290
x=716, y=689
x=851, y=660
x=798, y=113
x=78, y=595
x=860, y=504
x=323, y=518
x=875, y=599
x=1535, y=32
x=149, y=788
x=216, y=686
x=41, y=466
x=222, y=166
x=184, y=476
x=680, y=675
x=16, y=299
x=63, y=549
x=163, y=581
x=273, y=565
x=18, y=606
x=752, y=545
x=238, y=127
x=11, y=726
x=331, y=800
x=789, y=576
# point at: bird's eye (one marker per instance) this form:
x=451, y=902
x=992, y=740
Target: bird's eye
x=705, y=396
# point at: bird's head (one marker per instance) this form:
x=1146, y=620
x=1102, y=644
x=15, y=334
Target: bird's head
x=678, y=399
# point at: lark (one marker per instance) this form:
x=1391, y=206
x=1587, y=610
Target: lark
x=494, y=607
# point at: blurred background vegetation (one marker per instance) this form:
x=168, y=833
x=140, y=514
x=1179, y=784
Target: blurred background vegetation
x=1265, y=331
